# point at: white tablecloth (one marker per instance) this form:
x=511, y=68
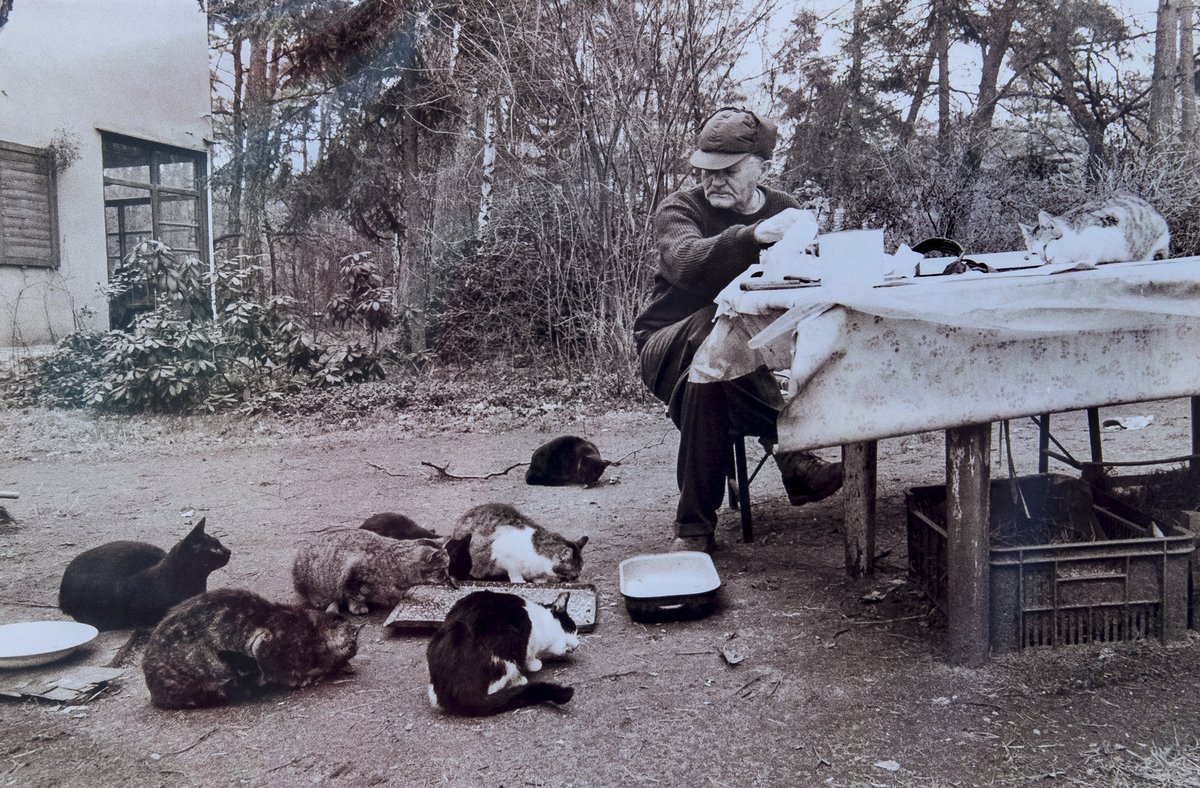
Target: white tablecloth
x=940, y=352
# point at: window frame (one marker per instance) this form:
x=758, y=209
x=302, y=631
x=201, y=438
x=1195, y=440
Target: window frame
x=159, y=154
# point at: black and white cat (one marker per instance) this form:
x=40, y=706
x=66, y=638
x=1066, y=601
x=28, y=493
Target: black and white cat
x=494, y=540
x=134, y=584
x=479, y=655
x=229, y=645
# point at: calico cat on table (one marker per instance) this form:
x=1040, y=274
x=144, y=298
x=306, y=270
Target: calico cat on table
x=360, y=569
x=1121, y=228
x=494, y=540
x=229, y=645
x=133, y=584
x=481, y=652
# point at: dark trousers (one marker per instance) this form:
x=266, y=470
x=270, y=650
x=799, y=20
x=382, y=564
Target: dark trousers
x=707, y=415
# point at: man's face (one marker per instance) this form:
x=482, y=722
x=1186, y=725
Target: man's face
x=733, y=188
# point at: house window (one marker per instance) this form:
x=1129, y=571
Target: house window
x=154, y=192
x=28, y=208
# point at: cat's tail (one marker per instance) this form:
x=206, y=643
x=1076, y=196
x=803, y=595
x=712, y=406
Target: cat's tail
x=506, y=699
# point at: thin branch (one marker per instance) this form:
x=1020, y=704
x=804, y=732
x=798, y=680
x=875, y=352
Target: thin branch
x=443, y=474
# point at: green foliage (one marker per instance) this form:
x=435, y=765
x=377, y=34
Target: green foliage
x=349, y=363
x=366, y=301
x=58, y=379
x=175, y=358
x=163, y=364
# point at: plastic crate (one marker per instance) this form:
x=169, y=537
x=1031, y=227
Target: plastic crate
x=1129, y=581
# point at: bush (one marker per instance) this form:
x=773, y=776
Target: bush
x=175, y=358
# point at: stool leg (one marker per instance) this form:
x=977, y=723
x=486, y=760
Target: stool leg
x=1094, y=474
x=731, y=480
x=1043, y=443
x=743, y=488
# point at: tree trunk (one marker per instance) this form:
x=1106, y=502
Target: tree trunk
x=488, y=170
x=411, y=221
x=1187, y=73
x=921, y=88
x=942, y=39
x=258, y=128
x=1162, y=85
x=238, y=154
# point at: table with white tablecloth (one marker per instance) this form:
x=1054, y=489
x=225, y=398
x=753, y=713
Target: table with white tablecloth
x=955, y=352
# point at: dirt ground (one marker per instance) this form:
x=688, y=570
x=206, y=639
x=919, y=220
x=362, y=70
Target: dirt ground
x=844, y=681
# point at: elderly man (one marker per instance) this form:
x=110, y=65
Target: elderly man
x=706, y=236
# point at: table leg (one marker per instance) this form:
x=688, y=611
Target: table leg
x=968, y=451
x=1194, y=465
x=859, y=462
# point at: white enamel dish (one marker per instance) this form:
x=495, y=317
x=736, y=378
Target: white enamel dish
x=666, y=586
x=31, y=643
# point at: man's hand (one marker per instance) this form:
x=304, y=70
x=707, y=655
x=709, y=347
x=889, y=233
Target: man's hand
x=768, y=231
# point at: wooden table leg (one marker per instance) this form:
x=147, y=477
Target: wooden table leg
x=1194, y=465
x=859, y=463
x=968, y=452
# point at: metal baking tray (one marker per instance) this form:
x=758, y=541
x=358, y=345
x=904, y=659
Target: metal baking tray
x=669, y=586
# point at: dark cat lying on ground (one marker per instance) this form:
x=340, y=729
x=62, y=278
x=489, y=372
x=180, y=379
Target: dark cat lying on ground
x=567, y=459
x=394, y=525
x=228, y=645
x=134, y=584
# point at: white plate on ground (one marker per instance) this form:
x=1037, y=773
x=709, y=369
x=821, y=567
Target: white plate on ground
x=31, y=643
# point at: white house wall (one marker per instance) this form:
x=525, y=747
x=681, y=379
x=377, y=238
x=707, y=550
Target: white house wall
x=75, y=68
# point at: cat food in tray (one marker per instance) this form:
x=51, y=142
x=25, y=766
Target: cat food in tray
x=426, y=606
x=667, y=586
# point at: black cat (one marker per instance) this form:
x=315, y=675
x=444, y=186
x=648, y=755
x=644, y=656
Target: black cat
x=133, y=584
x=228, y=645
x=394, y=525
x=567, y=459
x=479, y=655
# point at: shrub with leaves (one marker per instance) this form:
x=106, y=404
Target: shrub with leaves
x=163, y=364
x=58, y=379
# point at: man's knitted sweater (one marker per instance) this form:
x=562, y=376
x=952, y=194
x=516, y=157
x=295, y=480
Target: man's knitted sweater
x=701, y=249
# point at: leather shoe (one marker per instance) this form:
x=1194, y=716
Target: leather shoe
x=702, y=544
x=807, y=478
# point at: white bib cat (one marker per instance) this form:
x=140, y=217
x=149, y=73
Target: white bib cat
x=1121, y=228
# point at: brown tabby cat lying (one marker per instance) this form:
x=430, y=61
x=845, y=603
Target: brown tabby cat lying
x=359, y=569
x=229, y=645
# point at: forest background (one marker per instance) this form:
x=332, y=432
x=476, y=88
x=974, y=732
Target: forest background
x=402, y=187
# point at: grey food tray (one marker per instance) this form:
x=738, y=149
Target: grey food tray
x=425, y=607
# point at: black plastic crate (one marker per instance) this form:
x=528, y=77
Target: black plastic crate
x=1082, y=567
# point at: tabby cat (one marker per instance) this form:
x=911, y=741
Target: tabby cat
x=567, y=459
x=1123, y=227
x=494, y=540
x=228, y=645
x=479, y=655
x=394, y=525
x=134, y=584
x=359, y=569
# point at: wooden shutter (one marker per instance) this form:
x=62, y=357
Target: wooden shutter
x=28, y=215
